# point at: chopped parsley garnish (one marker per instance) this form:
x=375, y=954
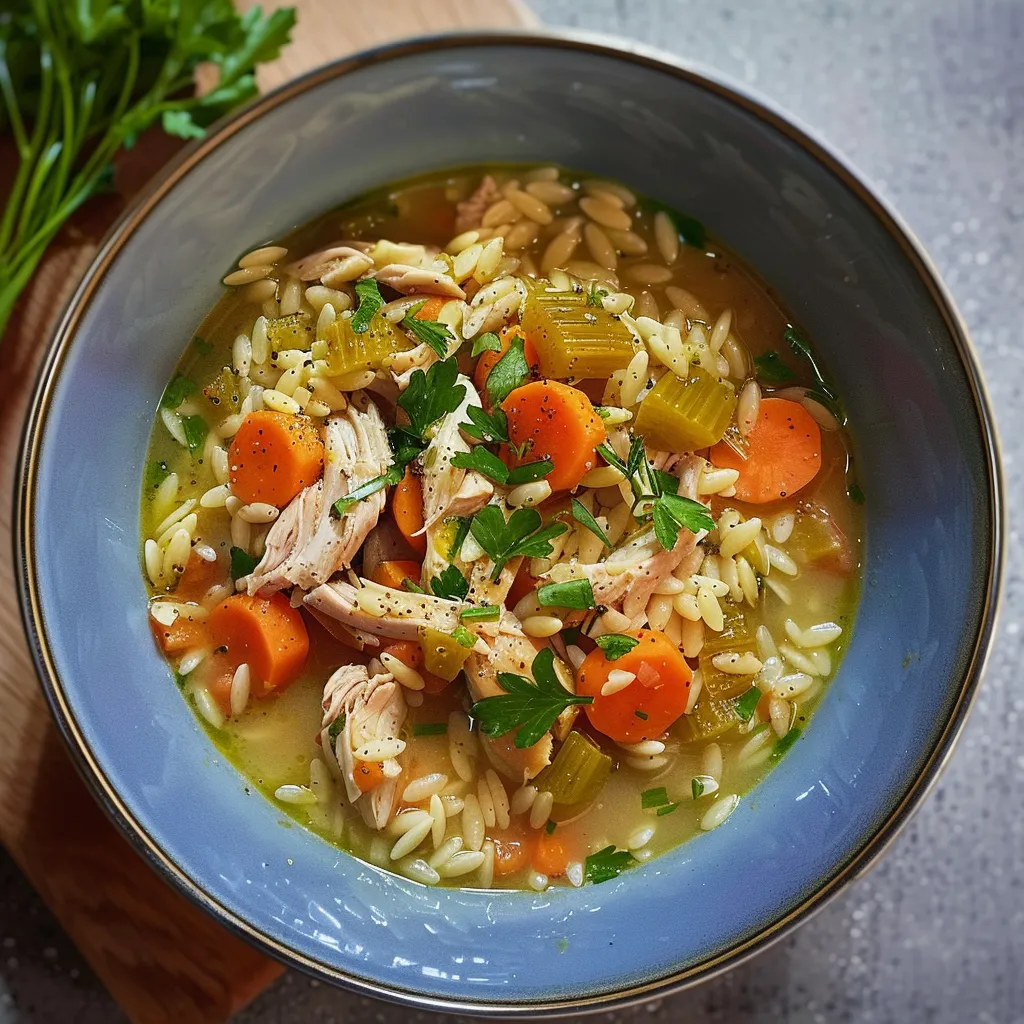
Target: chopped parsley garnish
x=783, y=745
x=484, y=426
x=242, y=563
x=823, y=391
x=412, y=586
x=654, y=498
x=615, y=645
x=667, y=809
x=607, y=864
x=577, y=594
x=430, y=728
x=654, y=798
x=463, y=637
x=642, y=715
x=522, y=534
x=196, y=429
x=378, y=483
x=689, y=228
x=746, y=703
x=485, y=613
x=508, y=373
x=550, y=827
x=855, y=492
x=530, y=707
x=488, y=342
x=429, y=332
x=204, y=347
x=584, y=518
x=157, y=472
x=451, y=584
x=370, y=300
x=483, y=461
x=461, y=532
x=697, y=787
x=528, y=472
x=595, y=295
x=176, y=392
x=571, y=634
x=771, y=369
x=335, y=728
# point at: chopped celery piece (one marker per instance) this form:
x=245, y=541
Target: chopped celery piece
x=226, y=390
x=816, y=540
x=293, y=331
x=737, y=635
x=443, y=655
x=709, y=719
x=578, y=772
x=574, y=339
x=348, y=352
x=684, y=415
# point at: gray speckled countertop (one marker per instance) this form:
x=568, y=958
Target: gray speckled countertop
x=926, y=97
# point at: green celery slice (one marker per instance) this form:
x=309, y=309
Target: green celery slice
x=686, y=415
x=578, y=772
x=348, y=352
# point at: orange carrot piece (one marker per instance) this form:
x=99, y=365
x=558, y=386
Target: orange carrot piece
x=551, y=857
x=410, y=653
x=648, y=705
x=273, y=456
x=216, y=674
x=183, y=634
x=367, y=775
x=198, y=577
x=407, y=509
x=556, y=422
x=784, y=453
x=513, y=848
x=486, y=362
x=266, y=633
x=431, y=309
x=392, y=574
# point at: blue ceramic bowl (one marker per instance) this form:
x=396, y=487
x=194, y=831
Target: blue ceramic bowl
x=838, y=259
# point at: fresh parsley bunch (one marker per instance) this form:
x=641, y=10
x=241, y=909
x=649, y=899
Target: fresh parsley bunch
x=80, y=79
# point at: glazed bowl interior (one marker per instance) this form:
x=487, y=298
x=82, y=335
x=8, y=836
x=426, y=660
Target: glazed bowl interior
x=925, y=460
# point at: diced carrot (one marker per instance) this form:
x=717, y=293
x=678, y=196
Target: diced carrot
x=431, y=309
x=557, y=422
x=551, y=857
x=183, y=634
x=486, y=362
x=410, y=653
x=198, y=577
x=651, y=702
x=266, y=633
x=216, y=674
x=367, y=775
x=273, y=456
x=392, y=574
x=784, y=453
x=407, y=508
x=513, y=848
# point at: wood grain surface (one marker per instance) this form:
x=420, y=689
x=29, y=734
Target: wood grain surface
x=161, y=957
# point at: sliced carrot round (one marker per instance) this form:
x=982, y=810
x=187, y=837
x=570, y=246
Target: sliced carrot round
x=266, y=633
x=556, y=422
x=407, y=509
x=393, y=574
x=410, y=653
x=512, y=850
x=273, y=456
x=487, y=360
x=551, y=857
x=651, y=702
x=784, y=453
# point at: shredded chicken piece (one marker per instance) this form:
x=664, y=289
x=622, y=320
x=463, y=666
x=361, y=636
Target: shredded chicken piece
x=510, y=651
x=308, y=543
x=383, y=611
x=470, y=212
x=418, y=280
x=341, y=263
x=373, y=709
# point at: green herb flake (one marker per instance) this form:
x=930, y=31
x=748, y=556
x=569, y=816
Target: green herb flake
x=508, y=373
x=530, y=707
x=488, y=342
x=770, y=369
x=157, y=471
x=528, y=472
x=430, y=332
x=196, y=429
x=430, y=728
x=484, y=462
x=485, y=613
x=642, y=715
x=823, y=392
x=451, y=584
x=576, y=594
x=202, y=346
x=430, y=396
x=550, y=827
x=667, y=809
x=242, y=563
x=650, y=798
x=491, y=427
x=378, y=483
x=787, y=741
x=855, y=492
x=461, y=533
x=582, y=516
x=672, y=513
x=176, y=392
x=463, y=637
x=607, y=864
x=615, y=645
x=370, y=301
x=697, y=787
x=595, y=295
x=522, y=534
x=412, y=586
x=335, y=728
x=747, y=703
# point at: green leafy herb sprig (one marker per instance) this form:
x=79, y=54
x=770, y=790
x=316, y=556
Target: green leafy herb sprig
x=80, y=81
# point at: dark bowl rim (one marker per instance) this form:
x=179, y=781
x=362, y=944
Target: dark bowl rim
x=857, y=862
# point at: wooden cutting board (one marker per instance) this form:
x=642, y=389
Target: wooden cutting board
x=161, y=958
